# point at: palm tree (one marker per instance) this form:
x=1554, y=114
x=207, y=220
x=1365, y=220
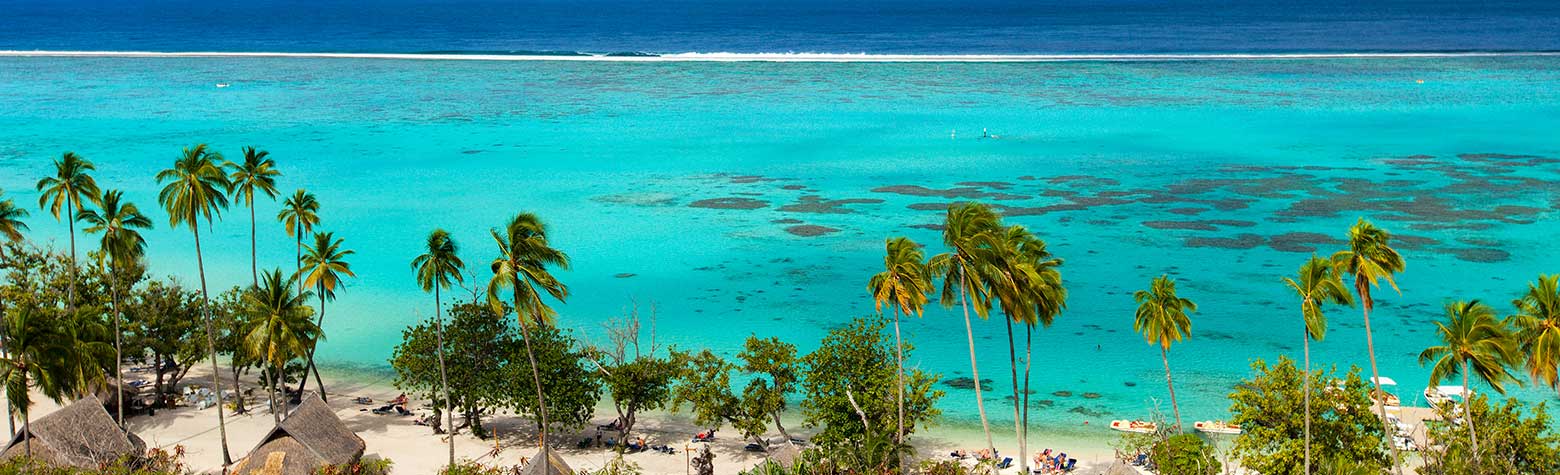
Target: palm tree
x=325, y=265
x=1371, y=259
x=1473, y=342
x=1316, y=285
x=967, y=231
x=257, y=174
x=904, y=284
x=437, y=269
x=1538, y=324
x=65, y=190
x=1030, y=293
x=524, y=254
x=279, y=329
x=1162, y=319
x=34, y=358
x=194, y=190
x=11, y=225
x=300, y=213
x=118, y=220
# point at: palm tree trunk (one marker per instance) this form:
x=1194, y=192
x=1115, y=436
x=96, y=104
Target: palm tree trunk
x=444, y=379
x=254, y=257
x=969, y=334
x=1381, y=403
x=1468, y=413
x=1018, y=423
x=899, y=362
x=270, y=382
x=1164, y=354
x=298, y=259
x=211, y=346
x=314, y=345
x=70, y=221
x=1029, y=352
x=1306, y=382
x=119, y=372
x=536, y=377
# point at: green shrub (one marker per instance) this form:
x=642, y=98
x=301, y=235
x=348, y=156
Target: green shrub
x=1185, y=454
x=361, y=467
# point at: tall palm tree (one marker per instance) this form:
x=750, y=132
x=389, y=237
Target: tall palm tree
x=64, y=191
x=438, y=268
x=34, y=358
x=1162, y=319
x=280, y=329
x=1473, y=341
x=904, y=283
x=524, y=254
x=325, y=265
x=118, y=221
x=256, y=174
x=968, y=231
x=1538, y=323
x=1317, y=284
x=11, y=225
x=1028, y=287
x=195, y=189
x=299, y=215
x=1370, y=258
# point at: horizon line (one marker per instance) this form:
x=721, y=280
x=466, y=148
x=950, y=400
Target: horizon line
x=783, y=57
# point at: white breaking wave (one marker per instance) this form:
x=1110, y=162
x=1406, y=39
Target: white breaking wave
x=783, y=57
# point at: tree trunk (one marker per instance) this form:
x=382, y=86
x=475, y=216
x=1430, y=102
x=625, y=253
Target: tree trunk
x=298, y=257
x=211, y=346
x=1381, y=397
x=70, y=221
x=969, y=335
x=536, y=377
x=270, y=383
x=1468, y=413
x=781, y=428
x=314, y=345
x=1306, y=343
x=26, y=417
x=1029, y=355
x=899, y=362
x=238, y=394
x=254, y=256
x=119, y=372
x=1164, y=354
x=1018, y=423
x=444, y=379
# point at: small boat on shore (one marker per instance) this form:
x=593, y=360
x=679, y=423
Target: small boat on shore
x=1140, y=427
x=1216, y=427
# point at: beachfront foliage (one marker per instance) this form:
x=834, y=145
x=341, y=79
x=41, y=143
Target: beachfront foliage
x=639, y=384
x=1185, y=454
x=154, y=462
x=1268, y=408
x=1513, y=439
x=476, y=342
x=164, y=331
x=361, y=467
x=848, y=387
x=1538, y=328
x=770, y=368
x=568, y=377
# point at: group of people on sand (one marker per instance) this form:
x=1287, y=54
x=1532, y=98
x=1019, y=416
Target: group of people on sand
x=1050, y=461
x=982, y=454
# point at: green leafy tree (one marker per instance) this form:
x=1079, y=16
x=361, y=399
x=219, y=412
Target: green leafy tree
x=1162, y=319
x=848, y=386
x=904, y=284
x=325, y=268
x=1515, y=439
x=1317, y=284
x=524, y=254
x=477, y=346
x=165, y=331
x=436, y=269
x=705, y=384
x=299, y=216
x=257, y=174
x=968, y=232
x=1538, y=329
x=231, y=322
x=64, y=192
x=279, y=329
x=635, y=375
x=120, y=223
x=1473, y=342
x=1185, y=454
x=1272, y=427
x=1370, y=258
x=568, y=379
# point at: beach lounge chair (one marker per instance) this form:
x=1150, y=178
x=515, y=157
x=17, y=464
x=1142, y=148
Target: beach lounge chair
x=1071, y=465
x=1006, y=462
x=1140, y=460
x=753, y=447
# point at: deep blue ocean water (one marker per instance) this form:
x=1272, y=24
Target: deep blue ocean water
x=752, y=26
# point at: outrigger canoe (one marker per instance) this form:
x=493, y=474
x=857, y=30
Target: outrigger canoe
x=1140, y=427
x=1216, y=427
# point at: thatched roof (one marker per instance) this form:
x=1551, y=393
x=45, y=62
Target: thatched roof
x=310, y=438
x=786, y=454
x=81, y=434
x=554, y=466
x=1120, y=468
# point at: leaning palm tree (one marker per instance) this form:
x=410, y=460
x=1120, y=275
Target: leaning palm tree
x=34, y=358
x=1316, y=285
x=119, y=221
x=64, y=191
x=524, y=254
x=1370, y=259
x=1473, y=341
x=11, y=225
x=299, y=215
x=194, y=189
x=325, y=266
x=438, y=268
x=256, y=174
x=968, y=231
x=1538, y=323
x=1162, y=319
x=904, y=283
x=279, y=330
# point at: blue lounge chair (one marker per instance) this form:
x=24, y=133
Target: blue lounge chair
x=1071, y=464
x=1006, y=462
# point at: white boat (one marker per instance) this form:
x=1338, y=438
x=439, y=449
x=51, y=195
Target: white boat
x=1216, y=427
x=1437, y=395
x=1390, y=399
x=1140, y=427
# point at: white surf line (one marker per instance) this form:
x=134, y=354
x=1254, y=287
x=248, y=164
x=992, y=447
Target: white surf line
x=780, y=57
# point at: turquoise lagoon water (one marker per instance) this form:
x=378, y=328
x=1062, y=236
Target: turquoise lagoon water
x=1211, y=171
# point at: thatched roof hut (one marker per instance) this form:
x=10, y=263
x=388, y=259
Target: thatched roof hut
x=310, y=438
x=786, y=454
x=554, y=466
x=81, y=435
x=1120, y=468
